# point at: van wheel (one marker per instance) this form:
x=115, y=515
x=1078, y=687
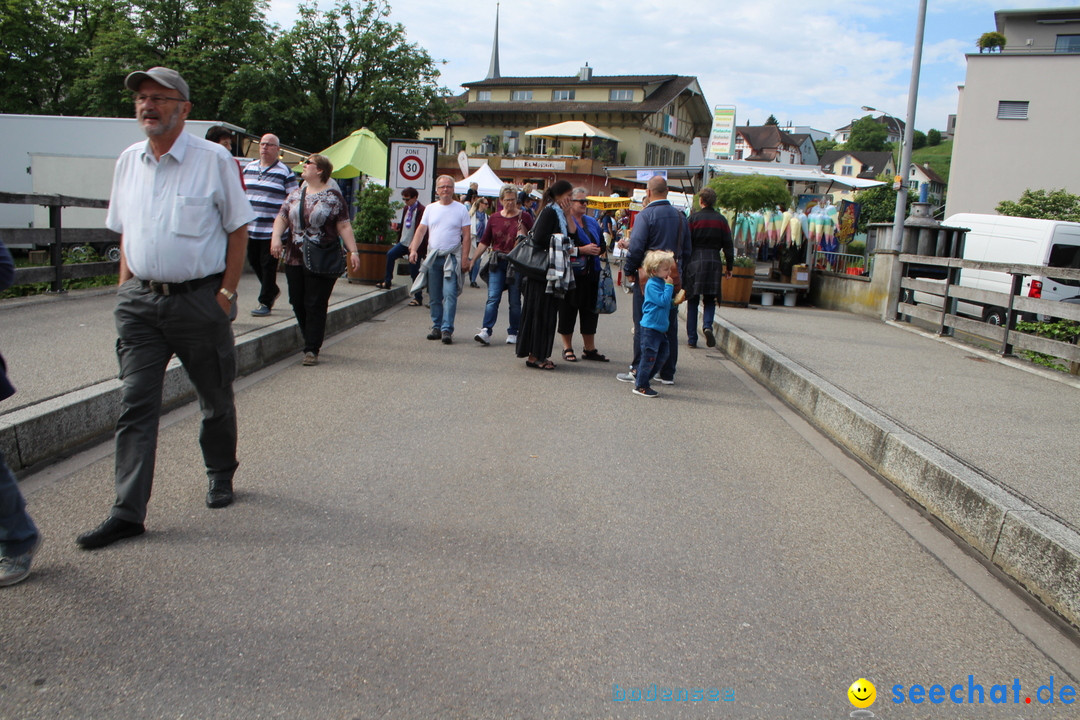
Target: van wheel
x=996, y=316
x=112, y=253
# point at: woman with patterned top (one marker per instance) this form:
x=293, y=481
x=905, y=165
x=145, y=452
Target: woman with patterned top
x=325, y=217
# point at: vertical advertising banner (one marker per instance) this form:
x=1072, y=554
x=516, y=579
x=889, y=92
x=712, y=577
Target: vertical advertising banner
x=722, y=140
x=412, y=164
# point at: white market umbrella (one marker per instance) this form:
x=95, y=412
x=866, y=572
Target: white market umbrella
x=572, y=129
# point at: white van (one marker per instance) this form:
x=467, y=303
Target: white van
x=1025, y=241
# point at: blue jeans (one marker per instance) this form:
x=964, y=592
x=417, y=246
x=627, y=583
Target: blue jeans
x=654, y=353
x=706, y=317
x=496, y=284
x=392, y=256
x=667, y=369
x=443, y=292
x=17, y=531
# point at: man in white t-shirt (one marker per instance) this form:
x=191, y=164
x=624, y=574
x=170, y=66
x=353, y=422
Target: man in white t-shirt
x=447, y=226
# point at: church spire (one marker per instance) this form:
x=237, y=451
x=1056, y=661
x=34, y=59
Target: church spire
x=493, y=68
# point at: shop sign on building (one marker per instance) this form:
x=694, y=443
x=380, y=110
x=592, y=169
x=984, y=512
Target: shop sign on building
x=539, y=164
x=721, y=142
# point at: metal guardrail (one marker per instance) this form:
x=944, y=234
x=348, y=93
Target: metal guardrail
x=56, y=237
x=843, y=264
x=948, y=293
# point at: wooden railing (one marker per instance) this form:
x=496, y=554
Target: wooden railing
x=942, y=311
x=55, y=236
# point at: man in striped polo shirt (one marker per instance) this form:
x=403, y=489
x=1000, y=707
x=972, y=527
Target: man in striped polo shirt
x=269, y=181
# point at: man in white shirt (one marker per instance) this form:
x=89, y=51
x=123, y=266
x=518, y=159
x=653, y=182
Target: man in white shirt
x=447, y=226
x=182, y=214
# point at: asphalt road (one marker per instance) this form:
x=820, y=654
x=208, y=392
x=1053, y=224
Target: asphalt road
x=424, y=531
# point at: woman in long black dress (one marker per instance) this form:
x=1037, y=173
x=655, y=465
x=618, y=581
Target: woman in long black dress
x=539, y=308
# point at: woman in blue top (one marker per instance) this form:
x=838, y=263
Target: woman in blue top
x=581, y=299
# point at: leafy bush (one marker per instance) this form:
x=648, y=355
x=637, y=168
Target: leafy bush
x=1053, y=205
x=374, y=213
x=1063, y=330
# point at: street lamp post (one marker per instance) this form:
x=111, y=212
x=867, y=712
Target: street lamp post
x=338, y=46
x=905, y=161
x=884, y=113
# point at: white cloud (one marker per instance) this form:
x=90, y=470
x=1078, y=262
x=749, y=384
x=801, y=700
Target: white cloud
x=810, y=64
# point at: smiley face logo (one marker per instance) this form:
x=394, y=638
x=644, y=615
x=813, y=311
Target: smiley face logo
x=862, y=693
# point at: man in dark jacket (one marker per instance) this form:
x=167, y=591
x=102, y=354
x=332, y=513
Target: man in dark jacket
x=658, y=227
x=19, y=538
x=709, y=235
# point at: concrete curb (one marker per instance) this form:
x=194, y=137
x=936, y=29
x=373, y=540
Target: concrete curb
x=1034, y=549
x=39, y=434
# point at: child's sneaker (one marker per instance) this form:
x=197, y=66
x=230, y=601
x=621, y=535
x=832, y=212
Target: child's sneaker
x=645, y=392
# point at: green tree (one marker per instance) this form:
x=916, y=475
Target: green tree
x=32, y=49
x=749, y=192
x=933, y=138
x=878, y=204
x=771, y=120
x=990, y=40
x=1052, y=205
x=347, y=66
x=918, y=140
x=867, y=136
x=825, y=145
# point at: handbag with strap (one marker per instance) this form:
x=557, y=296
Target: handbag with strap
x=325, y=259
x=605, y=291
x=528, y=259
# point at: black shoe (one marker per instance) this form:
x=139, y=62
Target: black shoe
x=710, y=339
x=220, y=494
x=447, y=337
x=434, y=334
x=108, y=532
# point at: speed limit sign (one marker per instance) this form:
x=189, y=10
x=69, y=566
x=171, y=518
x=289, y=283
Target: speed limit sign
x=412, y=167
x=412, y=164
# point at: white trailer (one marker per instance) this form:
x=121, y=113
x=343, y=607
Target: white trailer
x=60, y=155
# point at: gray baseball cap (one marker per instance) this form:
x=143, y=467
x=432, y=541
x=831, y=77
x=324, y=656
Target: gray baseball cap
x=161, y=75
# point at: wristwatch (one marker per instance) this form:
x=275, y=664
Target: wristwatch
x=229, y=294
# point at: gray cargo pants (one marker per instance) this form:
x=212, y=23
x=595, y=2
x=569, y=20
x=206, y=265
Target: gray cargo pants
x=151, y=328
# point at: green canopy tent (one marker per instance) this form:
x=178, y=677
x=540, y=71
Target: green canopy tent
x=361, y=153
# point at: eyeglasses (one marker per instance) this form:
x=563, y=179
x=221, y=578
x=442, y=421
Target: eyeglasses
x=141, y=99
x=582, y=202
x=309, y=161
x=444, y=187
x=262, y=144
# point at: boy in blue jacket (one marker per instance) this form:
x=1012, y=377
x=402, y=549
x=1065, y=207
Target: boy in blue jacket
x=655, y=314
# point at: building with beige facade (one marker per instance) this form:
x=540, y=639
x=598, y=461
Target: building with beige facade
x=653, y=118
x=1016, y=113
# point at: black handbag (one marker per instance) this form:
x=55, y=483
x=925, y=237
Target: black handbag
x=527, y=259
x=325, y=259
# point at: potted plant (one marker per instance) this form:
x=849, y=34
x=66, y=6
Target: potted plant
x=736, y=289
x=371, y=225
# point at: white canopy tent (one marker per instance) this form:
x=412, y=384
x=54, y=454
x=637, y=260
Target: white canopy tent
x=488, y=183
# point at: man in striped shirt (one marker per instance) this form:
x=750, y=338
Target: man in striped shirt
x=269, y=181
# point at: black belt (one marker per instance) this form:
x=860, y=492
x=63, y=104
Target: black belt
x=178, y=288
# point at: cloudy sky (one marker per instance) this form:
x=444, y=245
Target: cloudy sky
x=811, y=64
